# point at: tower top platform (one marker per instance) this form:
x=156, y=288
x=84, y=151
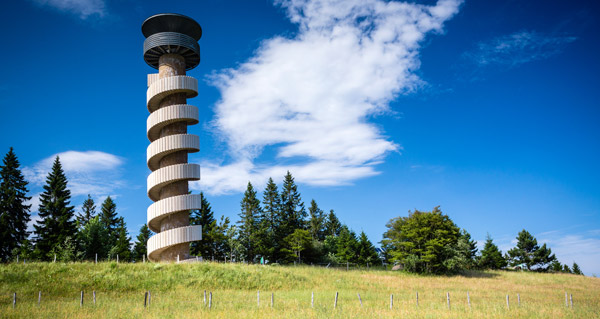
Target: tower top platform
x=172, y=22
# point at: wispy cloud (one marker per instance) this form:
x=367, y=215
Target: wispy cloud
x=584, y=249
x=90, y=172
x=516, y=49
x=81, y=8
x=311, y=99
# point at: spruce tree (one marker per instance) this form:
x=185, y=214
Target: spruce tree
x=218, y=234
x=332, y=225
x=110, y=220
x=316, y=221
x=576, y=269
x=93, y=238
x=366, y=250
x=292, y=207
x=347, y=245
x=14, y=213
x=272, y=221
x=140, y=248
x=56, y=222
x=249, y=221
x=122, y=246
x=88, y=211
x=491, y=257
x=204, y=217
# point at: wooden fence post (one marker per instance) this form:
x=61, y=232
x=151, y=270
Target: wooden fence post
x=210, y=300
x=205, y=297
x=312, y=299
x=566, y=300
x=571, y=298
x=14, y=300
x=81, y=300
x=149, y=298
x=94, y=294
x=144, y=258
x=145, y=298
x=448, y=299
x=519, y=300
x=335, y=302
x=469, y=300
x=507, y=303
x=96, y=260
x=272, y=299
x=258, y=298
x=360, y=300
x=391, y=301
x=417, y=298
x=54, y=257
x=117, y=258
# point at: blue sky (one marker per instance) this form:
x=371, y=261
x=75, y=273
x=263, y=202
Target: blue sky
x=488, y=109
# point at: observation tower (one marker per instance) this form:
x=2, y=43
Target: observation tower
x=171, y=46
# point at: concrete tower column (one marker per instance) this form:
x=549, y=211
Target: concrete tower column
x=171, y=47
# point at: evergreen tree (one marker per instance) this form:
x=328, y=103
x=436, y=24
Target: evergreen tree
x=316, y=221
x=529, y=253
x=88, y=211
x=93, y=238
x=204, y=217
x=219, y=241
x=249, y=221
x=347, y=245
x=332, y=225
x=296, y=243
x=56, y=223
x=556, y=266
x=491, y=257
x=122, y=246
x=576, y=269
x=566, y=269
x=366, y=250
x=14, y=213
x=292, y=207
x=272, y=221
x=110, y=221
x=140, y=247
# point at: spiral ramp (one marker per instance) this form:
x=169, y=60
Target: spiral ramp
x=161, y=177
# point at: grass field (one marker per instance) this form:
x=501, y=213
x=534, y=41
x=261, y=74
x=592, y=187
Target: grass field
x=177, y=291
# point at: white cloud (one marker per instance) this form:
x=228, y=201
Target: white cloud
x=311, y=98
x=82, y=8
x=516, y=49
x=90, y=172
x=579, y=248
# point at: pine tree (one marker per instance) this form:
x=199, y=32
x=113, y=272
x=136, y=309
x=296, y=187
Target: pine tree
x=140, y=248
x=491, y=257
x=272, y=221
x=93, y=238
x=316, y=221
x=204, y=217
x=332, y=225
x=292, y=207
x=88, y=211
x=56, y=222
x=110, y=221
x=14, y=213
x=249, y=221
x=122, y=246
x=576, y=269
x=366, y=251
x=528, y=252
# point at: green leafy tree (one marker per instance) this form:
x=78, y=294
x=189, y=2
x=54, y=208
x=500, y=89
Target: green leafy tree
x=219, y=241
x=93, y=238
x=463, y=254
x=56, y=223
x=110, y=221
x=272, y=222
x=491, y=257
x=576, y=269
x=140, y=248
x=122, y=246
x=366, y=251
x=316, y=221
x=88, y=211
x=204, y=217
x=14, y=213
x=234, y=245
x=420, y=241
x=296, y=243
x=332, y=225
x=292, y=207
x=249, y=221
x=528, y=252
x=66, y=251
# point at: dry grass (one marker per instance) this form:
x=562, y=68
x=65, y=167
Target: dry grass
x=177, y=292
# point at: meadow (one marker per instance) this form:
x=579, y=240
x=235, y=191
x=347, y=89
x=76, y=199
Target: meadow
x=177, y=291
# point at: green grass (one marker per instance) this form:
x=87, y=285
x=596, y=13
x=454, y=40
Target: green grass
x=177, y=292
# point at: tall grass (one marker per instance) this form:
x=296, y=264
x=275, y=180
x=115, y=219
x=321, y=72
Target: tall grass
x=177, y=292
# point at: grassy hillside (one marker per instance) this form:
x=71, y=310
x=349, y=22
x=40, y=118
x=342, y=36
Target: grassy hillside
x=177, y=292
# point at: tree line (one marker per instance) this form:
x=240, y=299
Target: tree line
x=278, y=229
